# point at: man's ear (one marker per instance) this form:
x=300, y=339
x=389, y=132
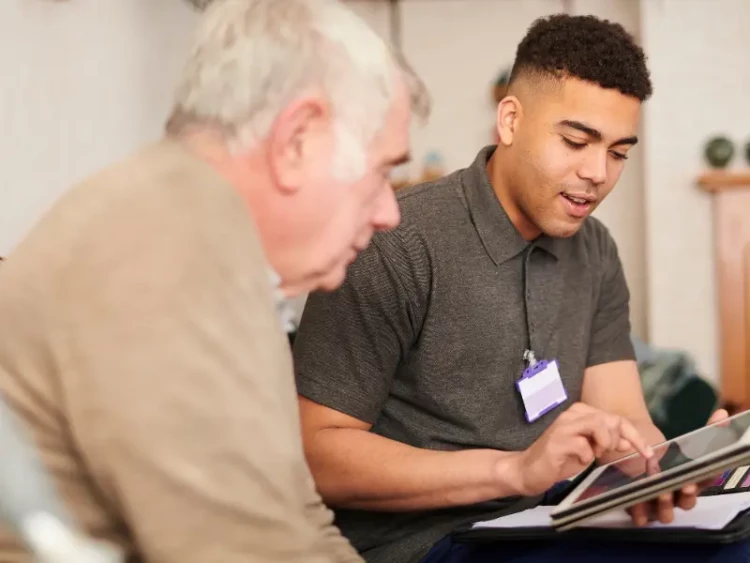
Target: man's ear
x=291, y=141
x=509, y=113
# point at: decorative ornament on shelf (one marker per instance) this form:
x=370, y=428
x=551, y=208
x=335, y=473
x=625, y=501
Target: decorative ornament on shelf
x=400, y=177
x=718, y=151
x=500, y=86
x=433, y=168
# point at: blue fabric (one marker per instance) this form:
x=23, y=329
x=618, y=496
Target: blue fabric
x=556, y=493
x=448, y=551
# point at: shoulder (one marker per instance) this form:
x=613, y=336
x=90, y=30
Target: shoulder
x=426, y=210
x=164, y=190
x=408, y=249
x=433, y=203
x=159, y=214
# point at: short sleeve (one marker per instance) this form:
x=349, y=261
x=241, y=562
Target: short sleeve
x=610, y=331
x=351, y=341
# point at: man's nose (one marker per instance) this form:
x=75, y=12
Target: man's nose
x=387, y=212
x=594, y=168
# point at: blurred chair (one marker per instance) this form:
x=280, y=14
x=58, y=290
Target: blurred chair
x=31, y=506
x=678, y=398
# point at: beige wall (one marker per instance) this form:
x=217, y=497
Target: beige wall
x=700, y=59
x=83, y=82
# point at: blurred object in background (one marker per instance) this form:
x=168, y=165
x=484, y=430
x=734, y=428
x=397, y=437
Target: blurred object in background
x=433, y=167
x=400, y=176
x=500, y=87
x=679, y=400
x=719, y=151
x=30, y=504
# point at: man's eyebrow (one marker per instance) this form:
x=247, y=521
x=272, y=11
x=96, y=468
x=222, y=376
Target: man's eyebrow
x=399, y=160
x=583, y=128
x=626, y=141
x=596, y=134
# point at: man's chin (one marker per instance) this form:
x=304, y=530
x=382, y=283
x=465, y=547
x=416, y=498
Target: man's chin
x=563, y=229
x=333, y=279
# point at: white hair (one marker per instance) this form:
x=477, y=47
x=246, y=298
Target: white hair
x=253, y=57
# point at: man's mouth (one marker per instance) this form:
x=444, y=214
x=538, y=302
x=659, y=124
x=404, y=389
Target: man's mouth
x=579, y=199
x=578, y=205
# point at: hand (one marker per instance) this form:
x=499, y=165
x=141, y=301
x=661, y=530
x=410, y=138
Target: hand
x=662, y=508
x=570, y=445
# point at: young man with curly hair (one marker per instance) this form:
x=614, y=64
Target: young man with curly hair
x=414, y=420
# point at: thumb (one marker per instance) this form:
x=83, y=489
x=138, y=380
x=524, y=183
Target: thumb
x=717, y=416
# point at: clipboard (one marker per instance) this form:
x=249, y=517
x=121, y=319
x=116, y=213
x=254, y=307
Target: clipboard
x=737, y=530
x=729, y=483
x=693, y=457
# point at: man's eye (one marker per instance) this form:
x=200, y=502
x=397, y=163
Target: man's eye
x=573, y=144
x=619, y=155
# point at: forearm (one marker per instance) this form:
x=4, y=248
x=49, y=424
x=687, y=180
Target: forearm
x=615, y=388
x=651, y=434
x=357, y=469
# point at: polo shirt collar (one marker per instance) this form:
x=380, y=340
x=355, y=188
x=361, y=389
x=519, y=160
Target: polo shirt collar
x=283, y=305
x=500, y=238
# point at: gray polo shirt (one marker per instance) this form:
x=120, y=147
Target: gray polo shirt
x=425, y=339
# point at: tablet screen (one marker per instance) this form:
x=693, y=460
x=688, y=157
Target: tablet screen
x=667, y=456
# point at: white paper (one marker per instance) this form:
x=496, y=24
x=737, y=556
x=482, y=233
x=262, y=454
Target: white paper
x=709, y=513
x=538, y=517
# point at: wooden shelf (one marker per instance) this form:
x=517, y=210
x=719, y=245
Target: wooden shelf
x=719, y=180
x=730, y=190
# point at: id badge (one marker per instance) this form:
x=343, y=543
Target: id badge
x=541, y=389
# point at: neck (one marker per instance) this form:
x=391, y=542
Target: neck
x=248, y=174
x=213, y=150
x=497, y=174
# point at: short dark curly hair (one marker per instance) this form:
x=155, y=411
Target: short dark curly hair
x=587, y=48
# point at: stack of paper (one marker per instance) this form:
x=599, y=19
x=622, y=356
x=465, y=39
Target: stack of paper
x=710, y=513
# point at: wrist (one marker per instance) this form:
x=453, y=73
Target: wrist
x=508, y=473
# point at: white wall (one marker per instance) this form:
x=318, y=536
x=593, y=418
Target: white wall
x=84, y=82
x=699, y=54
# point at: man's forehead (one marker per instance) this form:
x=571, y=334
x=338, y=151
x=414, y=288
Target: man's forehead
x=392, y=145
x=608, y=111
x=583, y=96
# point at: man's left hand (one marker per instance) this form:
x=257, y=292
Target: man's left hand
x=662, y=508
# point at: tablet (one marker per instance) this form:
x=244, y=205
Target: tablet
x=691, y=457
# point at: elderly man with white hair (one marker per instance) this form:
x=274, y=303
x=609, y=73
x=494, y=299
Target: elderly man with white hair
x=140, y=338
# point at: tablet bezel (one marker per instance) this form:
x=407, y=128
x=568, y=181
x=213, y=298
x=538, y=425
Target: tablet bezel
x=572, y=518
x=661, y=480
